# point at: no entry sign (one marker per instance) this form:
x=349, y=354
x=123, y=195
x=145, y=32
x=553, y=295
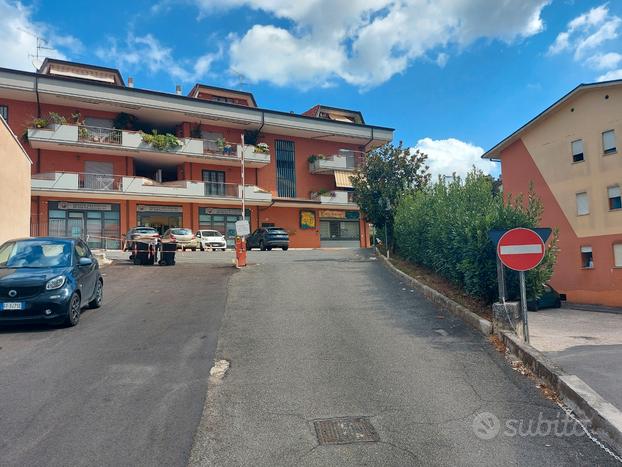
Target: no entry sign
x=520, y=249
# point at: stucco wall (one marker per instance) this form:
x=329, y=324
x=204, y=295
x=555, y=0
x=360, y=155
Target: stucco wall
x=14, y=187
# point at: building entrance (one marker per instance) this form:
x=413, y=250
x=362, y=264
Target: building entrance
x=161, y=218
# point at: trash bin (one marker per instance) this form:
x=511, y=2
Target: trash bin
x=167, y=254
x=144, y=253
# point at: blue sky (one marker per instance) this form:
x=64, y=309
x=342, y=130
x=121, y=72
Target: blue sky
x=452, y=77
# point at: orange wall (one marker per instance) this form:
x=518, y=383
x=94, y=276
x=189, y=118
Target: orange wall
x=601, y=284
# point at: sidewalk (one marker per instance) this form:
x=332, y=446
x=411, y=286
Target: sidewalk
x=585, y=343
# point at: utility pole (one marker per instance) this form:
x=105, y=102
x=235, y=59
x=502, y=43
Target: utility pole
x=243, y=181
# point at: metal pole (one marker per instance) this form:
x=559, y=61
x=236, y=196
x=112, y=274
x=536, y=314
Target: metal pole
x=386, y=239
x=523, y=304
x=500, y=280
x=243, y=182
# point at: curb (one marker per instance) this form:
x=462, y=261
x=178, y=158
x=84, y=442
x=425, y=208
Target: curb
x=604, y=418
x=480, y=324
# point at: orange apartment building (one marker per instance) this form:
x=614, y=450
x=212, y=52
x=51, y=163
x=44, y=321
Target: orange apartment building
x=570, y=153
x=95, y=174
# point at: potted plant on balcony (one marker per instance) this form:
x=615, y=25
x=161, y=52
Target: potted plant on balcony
x=315, y=157
x=124, y=121
x=227, y=149
x=40, y=123
x=163, y=142
x=56, y=119
x=262, y=148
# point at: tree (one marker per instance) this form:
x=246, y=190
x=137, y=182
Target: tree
x=386, y=174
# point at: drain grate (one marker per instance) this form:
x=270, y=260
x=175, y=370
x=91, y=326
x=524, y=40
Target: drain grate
x=345, y=430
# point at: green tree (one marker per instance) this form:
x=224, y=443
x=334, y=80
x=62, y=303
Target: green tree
x=386, y=174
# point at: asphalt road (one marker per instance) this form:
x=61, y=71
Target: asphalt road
x=321, y=334
x=124, y=387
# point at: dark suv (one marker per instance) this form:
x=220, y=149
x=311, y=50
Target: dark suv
x=267, y=238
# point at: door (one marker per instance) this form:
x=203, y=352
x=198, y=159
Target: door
x=75, y=225
x=86, y=274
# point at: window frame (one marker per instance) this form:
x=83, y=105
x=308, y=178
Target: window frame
x=582, y=153
x=4, y=112
x=610, y=198
x=613, y=149
x=613, y=252
x=591, y=257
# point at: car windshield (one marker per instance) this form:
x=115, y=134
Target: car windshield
x=145, y=230
x=277, y=230
x=211, y=233
x=181, y=231
x=35, y=254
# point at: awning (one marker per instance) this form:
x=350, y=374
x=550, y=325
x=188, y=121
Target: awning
x=342, y=179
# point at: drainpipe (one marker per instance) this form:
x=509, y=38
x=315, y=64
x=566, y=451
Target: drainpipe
x=370, y=139
x=38, y=116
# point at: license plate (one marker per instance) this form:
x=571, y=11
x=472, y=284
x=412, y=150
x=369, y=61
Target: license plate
x=12, y=305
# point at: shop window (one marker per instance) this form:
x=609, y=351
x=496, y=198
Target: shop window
x=615, y=200
x=587, y=260
x=4, y=112
x=609, y=142
x=583, y=206
x=617, y=255
x=577, y=150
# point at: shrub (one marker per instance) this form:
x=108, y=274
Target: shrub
x=161, y=142
x=445, y=226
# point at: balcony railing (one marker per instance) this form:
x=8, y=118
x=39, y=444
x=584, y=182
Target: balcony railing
x=89, y=182
x=113, y=141
x=345, y=160
x=334, y=197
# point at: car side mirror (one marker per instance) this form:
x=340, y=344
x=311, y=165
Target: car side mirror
x=85, y=261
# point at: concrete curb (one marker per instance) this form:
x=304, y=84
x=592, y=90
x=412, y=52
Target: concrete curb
x=603, y=418
x=480, y=324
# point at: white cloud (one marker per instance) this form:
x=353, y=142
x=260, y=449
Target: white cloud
x=146, y=52
x=366, y=42
x=610, y=75
x=18, y=39
x=586, y=34
x=449, y=156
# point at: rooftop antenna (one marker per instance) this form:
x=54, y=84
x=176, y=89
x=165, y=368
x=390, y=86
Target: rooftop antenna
x=41, y=45
x=241, y=82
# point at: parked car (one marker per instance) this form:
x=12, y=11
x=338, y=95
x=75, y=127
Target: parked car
x=139, y=233
x=550, y=298
x=184, y=238
x=48, y=279
x=211, y=239
x=266, y=238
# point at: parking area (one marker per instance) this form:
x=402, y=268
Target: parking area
x=585, y=343
x=126, y=385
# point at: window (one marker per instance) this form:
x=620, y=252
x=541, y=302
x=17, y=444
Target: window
x=583, y=206
x=587, y=260
x=617, y=255
x=214, y=182
x=615, y=201
x=4, y=112
x=609, y=142
x=577, y=150
x=285, y=168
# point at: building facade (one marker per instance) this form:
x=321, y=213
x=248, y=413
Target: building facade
x=103, y=163
x=571, y=154
x=14, y=184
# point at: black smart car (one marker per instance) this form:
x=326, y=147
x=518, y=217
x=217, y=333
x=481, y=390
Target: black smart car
x=47, y=279
x=267, y=238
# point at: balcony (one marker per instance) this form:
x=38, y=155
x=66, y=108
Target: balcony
x=112, y=141
x=85, y=185
x=336, y=197
x=345, y=160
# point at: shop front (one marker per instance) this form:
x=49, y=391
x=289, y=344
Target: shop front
x=161, y=218
x=339, y=229
x=96, y=223
x=223, y=220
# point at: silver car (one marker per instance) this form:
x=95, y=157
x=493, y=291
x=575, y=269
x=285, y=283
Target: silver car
x=211, y=240
x=184, y=238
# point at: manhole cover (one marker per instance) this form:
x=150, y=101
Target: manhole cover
x=345, y=430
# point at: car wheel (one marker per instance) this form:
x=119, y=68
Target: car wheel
x=223, y=249
x=285, y=248
x=269, y=248
x=262, y=247
x=558, y=303
x=202, y=248
x=99, y=295
x=73, y=311
x=193, y=249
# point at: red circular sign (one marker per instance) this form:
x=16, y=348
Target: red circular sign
x=520, y=249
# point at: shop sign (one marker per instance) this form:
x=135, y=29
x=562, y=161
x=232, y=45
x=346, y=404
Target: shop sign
x=149, y=208
x=225, y=211
x=352, y=215
x=84, y=206
x=307, y=219
x=333, y=214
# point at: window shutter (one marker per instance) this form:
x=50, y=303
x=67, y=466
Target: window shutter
x=583, y=206
x=586, y=249
x=609, y=141
x=577, y=147
x=613, y=191
x=617, y=255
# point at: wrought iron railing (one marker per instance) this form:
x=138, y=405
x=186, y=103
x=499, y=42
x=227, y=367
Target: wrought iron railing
x=93, y=134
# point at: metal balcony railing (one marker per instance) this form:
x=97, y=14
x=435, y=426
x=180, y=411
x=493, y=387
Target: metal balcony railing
x=92, y=134
x=220, y=148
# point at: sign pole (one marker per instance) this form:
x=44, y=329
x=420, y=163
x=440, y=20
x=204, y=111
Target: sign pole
x=523, y=305
x=243, y=183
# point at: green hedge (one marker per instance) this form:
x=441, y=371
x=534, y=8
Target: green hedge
x=445, y=226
